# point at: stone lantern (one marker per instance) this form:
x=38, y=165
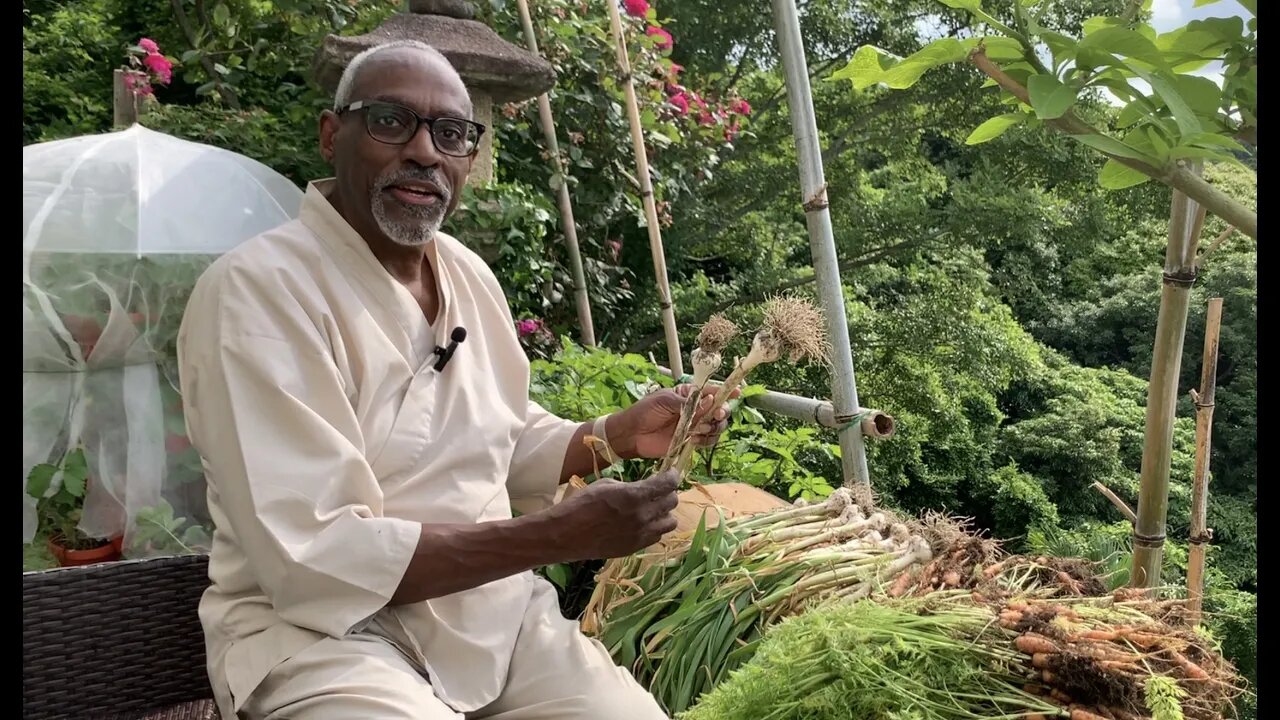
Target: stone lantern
x=494, y=70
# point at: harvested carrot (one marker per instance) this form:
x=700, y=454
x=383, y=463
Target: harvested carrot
x=952, y=578
x=1103, y=635
x=1082, y=714
x=1019, y=605
x=1193, y=671
x=1035, y=716
x=1048, y=677
x=994, y=569
x=1060, y=696
x=1145, y=640
x=1040, y=660
x=1032, y=643
x=900, y=585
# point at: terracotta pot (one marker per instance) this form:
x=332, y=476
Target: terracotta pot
x=109, y=552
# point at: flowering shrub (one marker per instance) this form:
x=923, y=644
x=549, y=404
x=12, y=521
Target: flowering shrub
x=147, y=65
x=686, y=132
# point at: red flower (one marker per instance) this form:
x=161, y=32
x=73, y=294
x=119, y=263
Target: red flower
x=705, y=118
x=636, y=8
x=740, y=106
x=664, y=37
x=676, y=69
x=731, y=132
x=680, y=102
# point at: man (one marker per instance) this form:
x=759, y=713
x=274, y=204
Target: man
x=366, y=562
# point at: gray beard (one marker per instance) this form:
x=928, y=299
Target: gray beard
x=422, y=222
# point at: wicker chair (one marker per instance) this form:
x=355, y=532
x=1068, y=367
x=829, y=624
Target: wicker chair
x=117, y=641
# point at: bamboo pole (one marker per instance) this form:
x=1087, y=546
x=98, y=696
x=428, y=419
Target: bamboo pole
x=822, y=244
x=875, y=424
x=674, y=357
x=587, y=330
x=1185, y=219
x=1204, y=433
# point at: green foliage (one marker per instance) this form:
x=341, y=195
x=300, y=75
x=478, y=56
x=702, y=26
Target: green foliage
x=59, y=491
x=68, y=53
x=1183, y=116
x=158, y=532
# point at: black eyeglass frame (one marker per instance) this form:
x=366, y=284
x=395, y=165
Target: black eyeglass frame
x=421, y=120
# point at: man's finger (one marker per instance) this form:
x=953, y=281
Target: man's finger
x=662, y=484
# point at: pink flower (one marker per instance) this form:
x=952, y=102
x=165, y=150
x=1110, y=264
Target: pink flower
x=705, y=118
x=697, y=100
x=740, y=106
x=137, y=84
x=676, y=69
x=680, y=102
x=636, y=8
x=160, y=66
x=664, y=37
x=731, y=132
x=615, y=249
x=528, y=327
x=149, y=45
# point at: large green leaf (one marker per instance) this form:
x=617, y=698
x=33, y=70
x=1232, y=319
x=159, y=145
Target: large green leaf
x=866, y=67
x=1049, y=97
x=994, y=128
x=1202, y=95
x=1163, y=86
x=1122, y=42
x=997, y=48
x=1114, y=147
x=1212, y=140
x=39, y=479
x=1115, y=176
x=908, y=72
x=970, y=5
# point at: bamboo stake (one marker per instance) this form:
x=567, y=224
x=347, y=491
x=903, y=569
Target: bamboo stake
x=1204, y=432
x=674, y=358
x=822, y=244
x=1185, y=219
x=587, y=331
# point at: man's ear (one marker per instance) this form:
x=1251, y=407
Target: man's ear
x=329, y=124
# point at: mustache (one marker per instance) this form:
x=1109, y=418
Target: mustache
x=422, y=175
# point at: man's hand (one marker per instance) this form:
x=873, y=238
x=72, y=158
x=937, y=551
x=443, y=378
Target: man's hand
x=609, y=519
x=645, y=429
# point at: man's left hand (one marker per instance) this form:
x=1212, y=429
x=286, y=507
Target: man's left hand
x=645, y=429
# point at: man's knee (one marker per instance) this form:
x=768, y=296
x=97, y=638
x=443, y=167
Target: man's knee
x=338, y=679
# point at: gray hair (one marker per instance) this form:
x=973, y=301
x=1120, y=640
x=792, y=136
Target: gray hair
x=342, y=97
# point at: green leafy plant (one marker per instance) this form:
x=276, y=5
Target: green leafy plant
x=158, y=532
x=1183, y=117
x=59, y=490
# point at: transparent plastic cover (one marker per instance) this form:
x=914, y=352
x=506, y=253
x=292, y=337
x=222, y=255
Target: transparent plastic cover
x=116, y=229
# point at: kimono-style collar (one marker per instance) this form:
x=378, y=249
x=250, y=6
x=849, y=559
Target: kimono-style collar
x=319, y=215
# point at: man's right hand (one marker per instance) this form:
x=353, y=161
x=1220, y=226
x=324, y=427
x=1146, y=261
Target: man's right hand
x=609, y=519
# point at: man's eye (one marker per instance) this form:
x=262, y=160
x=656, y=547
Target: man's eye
x=390, y=121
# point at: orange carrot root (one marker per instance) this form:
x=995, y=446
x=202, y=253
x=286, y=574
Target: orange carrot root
x=1040, y=660
x=1082, y=714
x=1032, y=643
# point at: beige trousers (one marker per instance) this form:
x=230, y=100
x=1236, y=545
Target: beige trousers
x=556, y=673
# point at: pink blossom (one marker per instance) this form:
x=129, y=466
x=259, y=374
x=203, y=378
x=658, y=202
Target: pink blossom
x=674, y=88
x=731, y=132
x=664, y=37
x=697, y=100
x=680, y=102
x=706, y=118
x=137, y=84
x=676, y=69
x=615, y=249
x=149, y=45
x=636, y=8
x=528, y=327
x=160, y=66
x=740, y=106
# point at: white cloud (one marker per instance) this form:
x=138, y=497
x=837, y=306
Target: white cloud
x=1166, y=11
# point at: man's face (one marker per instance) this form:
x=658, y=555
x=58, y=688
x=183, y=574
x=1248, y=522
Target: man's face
x=405, y=191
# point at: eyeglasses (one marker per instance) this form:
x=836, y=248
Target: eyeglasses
x=396, y=125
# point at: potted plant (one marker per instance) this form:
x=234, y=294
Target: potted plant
x=59, y=491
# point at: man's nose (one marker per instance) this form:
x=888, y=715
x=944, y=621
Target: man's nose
x=421, y=149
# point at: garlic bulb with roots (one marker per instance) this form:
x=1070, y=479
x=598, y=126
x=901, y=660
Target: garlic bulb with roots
x=717, y=332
